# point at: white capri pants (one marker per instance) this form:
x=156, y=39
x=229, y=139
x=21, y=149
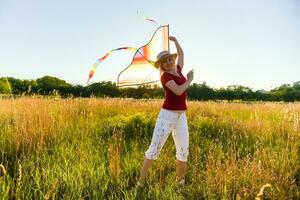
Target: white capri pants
x=166, y=122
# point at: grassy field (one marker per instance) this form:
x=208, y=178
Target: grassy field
x=93, y=149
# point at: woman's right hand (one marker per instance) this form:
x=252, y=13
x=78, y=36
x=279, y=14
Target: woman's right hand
x=190, y=75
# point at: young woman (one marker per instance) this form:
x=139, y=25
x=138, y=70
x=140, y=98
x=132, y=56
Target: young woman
x=172, y=115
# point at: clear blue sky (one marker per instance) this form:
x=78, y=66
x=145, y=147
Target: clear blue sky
x=254, y=43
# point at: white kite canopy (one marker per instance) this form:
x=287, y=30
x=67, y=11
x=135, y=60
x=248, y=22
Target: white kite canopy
x=142, y=71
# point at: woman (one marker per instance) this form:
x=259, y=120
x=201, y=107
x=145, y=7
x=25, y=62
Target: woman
x=172, y=115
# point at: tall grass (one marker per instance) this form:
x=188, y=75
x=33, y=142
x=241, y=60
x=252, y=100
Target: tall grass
x=93, y=149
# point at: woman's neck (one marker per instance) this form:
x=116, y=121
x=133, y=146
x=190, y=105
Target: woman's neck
x=173, y=72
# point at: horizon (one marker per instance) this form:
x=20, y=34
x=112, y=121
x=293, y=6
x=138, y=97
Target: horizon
x=251, y=43
x=159, y=84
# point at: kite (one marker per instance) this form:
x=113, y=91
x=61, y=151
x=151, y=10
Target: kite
x=141, y=70
x=147, y=18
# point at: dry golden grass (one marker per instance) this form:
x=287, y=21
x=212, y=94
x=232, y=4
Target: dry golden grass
x=94, y=148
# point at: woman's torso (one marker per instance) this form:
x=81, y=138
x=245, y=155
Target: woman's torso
x=174, y=102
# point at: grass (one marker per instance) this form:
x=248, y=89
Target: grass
x=53, y=148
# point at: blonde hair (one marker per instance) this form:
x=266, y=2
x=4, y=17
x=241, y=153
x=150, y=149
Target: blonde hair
x=160, y=72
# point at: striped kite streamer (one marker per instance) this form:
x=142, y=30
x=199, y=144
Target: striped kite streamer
x=93, y=70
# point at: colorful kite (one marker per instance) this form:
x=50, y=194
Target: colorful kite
x=141, y=70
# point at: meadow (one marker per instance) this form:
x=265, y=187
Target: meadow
x=52, y=148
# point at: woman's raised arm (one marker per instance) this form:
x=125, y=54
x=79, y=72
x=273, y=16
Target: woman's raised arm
x=180, y=59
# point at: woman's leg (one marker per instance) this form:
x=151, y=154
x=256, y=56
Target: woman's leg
x=146, y=165
x=163, y=127
x=181, y=167
x=181, y=139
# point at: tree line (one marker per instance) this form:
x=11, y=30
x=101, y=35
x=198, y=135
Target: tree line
x=48, y=85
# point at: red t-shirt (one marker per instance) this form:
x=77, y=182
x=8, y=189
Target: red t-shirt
x=173, y=101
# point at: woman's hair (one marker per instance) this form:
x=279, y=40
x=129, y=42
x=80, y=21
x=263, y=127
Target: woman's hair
x=160, y=71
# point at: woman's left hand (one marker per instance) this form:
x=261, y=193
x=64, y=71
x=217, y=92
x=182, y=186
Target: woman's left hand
x=172, y=38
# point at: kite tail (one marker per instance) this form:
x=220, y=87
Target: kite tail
x=93, y=70
x=147, y=18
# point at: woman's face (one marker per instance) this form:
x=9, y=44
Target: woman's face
x=167, y=64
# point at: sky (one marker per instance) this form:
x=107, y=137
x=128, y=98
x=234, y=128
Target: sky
x=254, y=43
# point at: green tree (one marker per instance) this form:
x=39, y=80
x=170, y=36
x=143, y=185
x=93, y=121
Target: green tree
x=286, y=92
x=16, y=85
x=225, y=94
x=296, y=85
x=201, y=92
x=5, y=87
x=104, y=89
x=48, y=84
